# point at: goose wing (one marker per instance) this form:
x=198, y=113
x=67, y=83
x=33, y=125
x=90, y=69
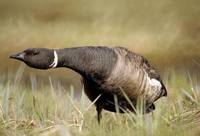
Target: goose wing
x=141, y=64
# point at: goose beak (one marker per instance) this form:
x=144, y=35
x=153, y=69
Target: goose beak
x=18, y=56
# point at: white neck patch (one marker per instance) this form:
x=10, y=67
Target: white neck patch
x=55, y=61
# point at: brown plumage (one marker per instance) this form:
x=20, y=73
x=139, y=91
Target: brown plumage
x=109, y=74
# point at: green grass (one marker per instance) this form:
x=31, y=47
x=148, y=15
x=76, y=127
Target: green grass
x=51, y=110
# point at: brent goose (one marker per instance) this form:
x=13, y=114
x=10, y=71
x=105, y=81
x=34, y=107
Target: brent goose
x=112, y=77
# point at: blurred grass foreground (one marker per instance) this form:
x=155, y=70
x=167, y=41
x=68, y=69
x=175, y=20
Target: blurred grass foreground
x=35, y=102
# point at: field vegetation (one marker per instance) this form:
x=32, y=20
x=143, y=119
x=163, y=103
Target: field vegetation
x=51, y=110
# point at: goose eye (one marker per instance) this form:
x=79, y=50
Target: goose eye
x=31, y=52
x=35, y=52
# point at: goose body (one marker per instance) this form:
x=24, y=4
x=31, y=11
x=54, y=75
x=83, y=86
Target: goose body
x=110, y=75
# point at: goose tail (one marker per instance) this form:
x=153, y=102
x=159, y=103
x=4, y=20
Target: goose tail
x=164, y=90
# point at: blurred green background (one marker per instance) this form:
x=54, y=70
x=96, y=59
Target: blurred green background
x=167, y=32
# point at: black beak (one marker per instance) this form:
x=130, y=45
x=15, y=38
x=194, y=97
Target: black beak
x=18, y=56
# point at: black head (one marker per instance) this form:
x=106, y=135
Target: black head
x=40, y=58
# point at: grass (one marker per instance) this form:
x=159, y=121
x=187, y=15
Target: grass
x=51, y=110
x=156, y=29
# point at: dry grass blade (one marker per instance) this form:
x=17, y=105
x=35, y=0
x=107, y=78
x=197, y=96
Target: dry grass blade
x=92, y=103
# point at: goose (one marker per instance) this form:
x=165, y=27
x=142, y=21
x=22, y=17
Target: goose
x=112, y=76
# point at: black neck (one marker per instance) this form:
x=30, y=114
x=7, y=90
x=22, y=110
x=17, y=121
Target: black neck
x=88, y=61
